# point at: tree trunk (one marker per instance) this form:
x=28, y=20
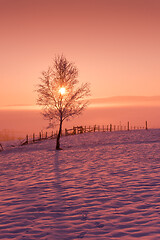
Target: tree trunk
x=59, y=135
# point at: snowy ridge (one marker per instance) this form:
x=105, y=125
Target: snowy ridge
x=100, y=186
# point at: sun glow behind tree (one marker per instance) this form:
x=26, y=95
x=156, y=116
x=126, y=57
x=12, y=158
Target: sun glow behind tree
x=62, y=90
x=59, y=94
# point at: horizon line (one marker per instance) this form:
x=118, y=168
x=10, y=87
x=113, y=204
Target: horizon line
x=104, y=101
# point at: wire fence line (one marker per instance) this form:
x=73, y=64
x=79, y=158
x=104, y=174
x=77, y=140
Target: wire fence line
x=79, y=130
x=33, y=138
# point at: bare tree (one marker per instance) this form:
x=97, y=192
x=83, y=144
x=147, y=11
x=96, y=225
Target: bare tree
x=59, y=93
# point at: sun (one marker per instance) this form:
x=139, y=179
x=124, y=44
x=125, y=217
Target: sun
x=62, y=90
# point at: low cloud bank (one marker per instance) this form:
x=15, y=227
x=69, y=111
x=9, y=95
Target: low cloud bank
x=21, y=122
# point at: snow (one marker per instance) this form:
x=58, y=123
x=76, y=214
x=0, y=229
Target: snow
x=100, y=186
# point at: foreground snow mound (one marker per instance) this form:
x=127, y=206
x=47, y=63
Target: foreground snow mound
x=100, y=186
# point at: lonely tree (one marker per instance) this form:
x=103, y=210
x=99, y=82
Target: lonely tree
x=60, y=94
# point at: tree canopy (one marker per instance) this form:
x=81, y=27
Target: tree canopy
x=60, y=94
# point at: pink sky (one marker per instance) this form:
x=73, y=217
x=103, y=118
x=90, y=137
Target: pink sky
x=114, y=44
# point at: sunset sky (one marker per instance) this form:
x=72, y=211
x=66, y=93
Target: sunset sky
x=114, y=43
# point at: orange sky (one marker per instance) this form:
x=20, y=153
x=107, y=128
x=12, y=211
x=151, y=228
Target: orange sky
x=114, y=43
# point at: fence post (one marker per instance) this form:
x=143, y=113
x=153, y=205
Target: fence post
x=66, y=133
x=46, y=135
x=52, y=134
x=27, y=139
x=74, y=130
x=146, y=125
x=110, y=127
x=128, y=126
x=40, y=136
x=1, y=148
x=33, y=137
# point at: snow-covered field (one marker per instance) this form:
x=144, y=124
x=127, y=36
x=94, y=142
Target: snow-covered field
x=100, y=186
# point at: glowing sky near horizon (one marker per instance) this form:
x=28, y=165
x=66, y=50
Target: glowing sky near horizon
x=115, y=45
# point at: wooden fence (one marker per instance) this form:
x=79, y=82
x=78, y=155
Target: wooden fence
x=41, y=136
x=81, y=129
x=103, y=128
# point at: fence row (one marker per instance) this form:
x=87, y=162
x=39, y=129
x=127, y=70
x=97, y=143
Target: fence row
x=104, y=128
x=80, y=129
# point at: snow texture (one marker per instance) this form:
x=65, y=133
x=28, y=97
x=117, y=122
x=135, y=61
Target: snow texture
x=100, y=186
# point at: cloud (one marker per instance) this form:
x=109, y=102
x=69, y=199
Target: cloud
x=125, y=101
